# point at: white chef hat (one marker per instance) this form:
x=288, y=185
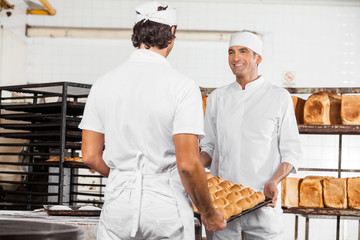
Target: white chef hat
x=149, y=11
x=246, y=39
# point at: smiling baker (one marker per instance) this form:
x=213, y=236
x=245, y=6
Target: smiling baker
x=251, y=138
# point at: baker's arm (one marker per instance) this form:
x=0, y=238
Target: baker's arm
x=205, y=159
x=92, y=151
x=270, y=188
x=193, y=178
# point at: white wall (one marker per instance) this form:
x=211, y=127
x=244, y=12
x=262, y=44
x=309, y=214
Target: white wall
x=13, y=46
x=319, y=43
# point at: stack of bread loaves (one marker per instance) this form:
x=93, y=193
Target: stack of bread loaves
x=318, y=191
x=328, y=109
x=231, y=199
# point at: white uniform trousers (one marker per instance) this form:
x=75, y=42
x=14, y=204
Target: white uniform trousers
x=262, y=224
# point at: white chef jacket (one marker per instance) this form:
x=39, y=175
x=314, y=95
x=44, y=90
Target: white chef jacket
x=138, y=107
x=250, y=132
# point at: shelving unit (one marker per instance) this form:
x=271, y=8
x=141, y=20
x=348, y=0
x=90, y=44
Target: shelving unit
x=38, y=122
x=338, y=130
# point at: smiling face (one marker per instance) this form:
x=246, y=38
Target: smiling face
x=243, y=62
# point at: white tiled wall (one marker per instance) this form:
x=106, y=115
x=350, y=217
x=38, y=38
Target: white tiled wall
x=320, y=43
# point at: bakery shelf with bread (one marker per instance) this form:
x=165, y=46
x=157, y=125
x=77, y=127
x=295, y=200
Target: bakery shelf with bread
x=321, y=192
x=327, y=106
x=325, y=111
x=233, y=200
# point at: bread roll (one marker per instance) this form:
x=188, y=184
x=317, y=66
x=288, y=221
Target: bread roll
x=246, y=192
x=257, y=198
x=220, y=203
x=353, y=192
x=213, y=181
x=298, y=109
x=334, y=191
x=234, y=197
x=214, y=189
x=221, y=194
x=227, y=212
x=226, y=184
x=236, y=187
x=350, y=109
x=245, y=203
x=290, y=192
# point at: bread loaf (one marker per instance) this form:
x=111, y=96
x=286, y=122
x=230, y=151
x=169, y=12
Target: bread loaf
x=335, y=195
x=323, y=109
x=298, y=109
x=226, y=196
x=317, y=109
x=335, y=108
x=353, y=192
x=311, y=191
x=350, y=109
x=290, y=192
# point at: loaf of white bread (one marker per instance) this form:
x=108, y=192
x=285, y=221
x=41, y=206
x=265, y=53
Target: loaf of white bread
x=290, y=192
x=323, y=109
x=318, y=191
x=231, y=199
x=298, y=109
x=350, y=109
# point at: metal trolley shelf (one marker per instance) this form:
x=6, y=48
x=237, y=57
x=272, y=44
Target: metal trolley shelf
x=339, y=130
x=38, y=122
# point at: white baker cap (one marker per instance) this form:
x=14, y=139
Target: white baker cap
x=149, y=11
x=246, y=39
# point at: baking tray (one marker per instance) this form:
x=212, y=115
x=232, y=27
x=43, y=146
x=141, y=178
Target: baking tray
x=266, y=202
x=74, y=212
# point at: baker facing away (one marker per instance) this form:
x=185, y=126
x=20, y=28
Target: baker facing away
x=149, y=117
x=251, y=138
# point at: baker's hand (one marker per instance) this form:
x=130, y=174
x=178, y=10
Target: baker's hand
x=213, y=220
x=271, y=191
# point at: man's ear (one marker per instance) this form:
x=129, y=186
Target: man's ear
x=258, y=59
x=173, y=30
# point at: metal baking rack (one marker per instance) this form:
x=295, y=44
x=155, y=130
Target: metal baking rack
x=39, y=121
x=339, y=130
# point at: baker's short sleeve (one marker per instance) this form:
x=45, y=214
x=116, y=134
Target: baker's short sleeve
x=189, y=115
x=91, y=118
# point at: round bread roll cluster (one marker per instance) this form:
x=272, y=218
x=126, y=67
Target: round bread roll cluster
x=231, y=199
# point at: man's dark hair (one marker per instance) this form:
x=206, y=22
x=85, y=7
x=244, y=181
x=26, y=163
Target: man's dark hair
x=152, y=34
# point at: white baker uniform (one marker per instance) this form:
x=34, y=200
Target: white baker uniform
x=138, y=107
x=249, y=133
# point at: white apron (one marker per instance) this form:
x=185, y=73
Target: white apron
x=141, y=205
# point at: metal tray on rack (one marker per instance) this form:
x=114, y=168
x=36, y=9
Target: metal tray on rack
x=73, y=108
x=262, y=204
x=74, y=212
